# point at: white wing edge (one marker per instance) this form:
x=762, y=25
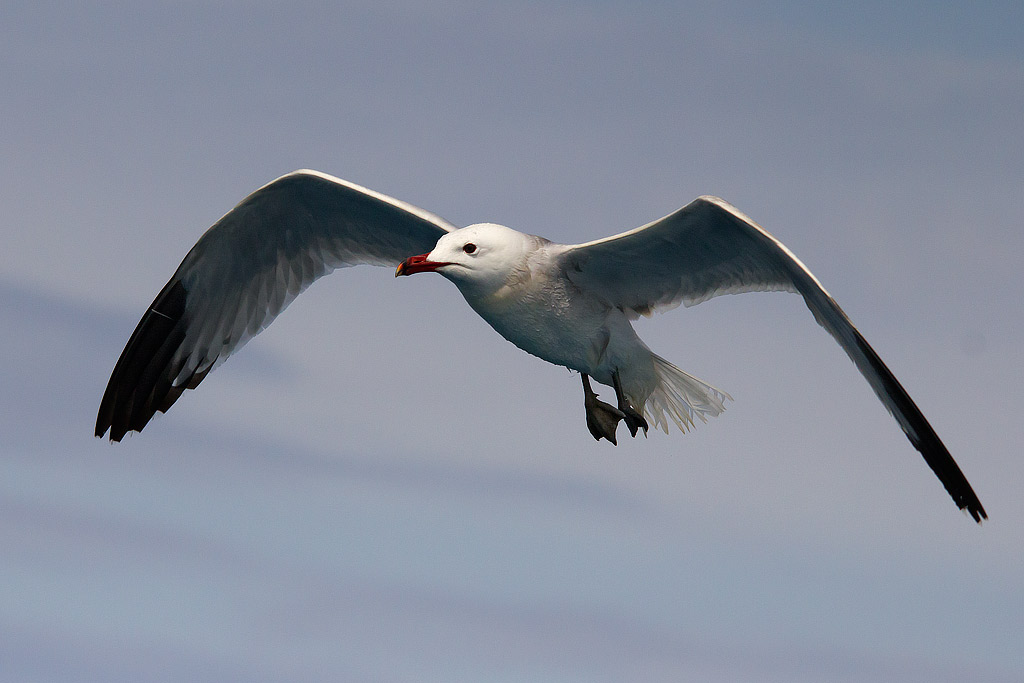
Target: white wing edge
x=405, y=206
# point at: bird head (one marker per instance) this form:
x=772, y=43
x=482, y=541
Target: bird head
x=479, y=259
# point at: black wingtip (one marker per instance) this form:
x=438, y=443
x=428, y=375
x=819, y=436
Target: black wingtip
x=938, y=458
x=975, y=510
x=142, y=381
x=900, y=405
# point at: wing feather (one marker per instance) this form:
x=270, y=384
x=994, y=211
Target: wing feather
x=704, y=249
x=709, y=248
x=243, y=272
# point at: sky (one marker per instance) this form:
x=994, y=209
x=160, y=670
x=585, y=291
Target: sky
x=379, y=488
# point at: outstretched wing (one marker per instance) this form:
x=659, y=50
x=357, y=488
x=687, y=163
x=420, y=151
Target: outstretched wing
x=244, y=271
x=709, y=248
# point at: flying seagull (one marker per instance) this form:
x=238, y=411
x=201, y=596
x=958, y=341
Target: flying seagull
x=569, y=304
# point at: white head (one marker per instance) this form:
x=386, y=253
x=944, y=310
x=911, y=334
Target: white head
x=479, y=259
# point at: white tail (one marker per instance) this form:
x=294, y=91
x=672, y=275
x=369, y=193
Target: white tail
x=682, y=397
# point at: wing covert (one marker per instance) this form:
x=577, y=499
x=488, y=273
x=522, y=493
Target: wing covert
x=704, y=249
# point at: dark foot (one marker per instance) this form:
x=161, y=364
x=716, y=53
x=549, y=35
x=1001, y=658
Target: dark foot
x=602, y=418
x=634, y=420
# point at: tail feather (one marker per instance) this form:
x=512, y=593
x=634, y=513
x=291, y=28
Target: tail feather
x=681, y=397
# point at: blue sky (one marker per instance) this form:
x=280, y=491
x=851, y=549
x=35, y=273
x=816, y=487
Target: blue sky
x=379, y=488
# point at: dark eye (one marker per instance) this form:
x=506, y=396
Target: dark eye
x=469, y=248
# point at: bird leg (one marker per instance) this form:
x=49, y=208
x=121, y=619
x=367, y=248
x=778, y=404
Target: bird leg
x=602, y=418
x=633, y=419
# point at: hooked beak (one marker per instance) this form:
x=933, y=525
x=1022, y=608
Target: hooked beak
x=418, y=264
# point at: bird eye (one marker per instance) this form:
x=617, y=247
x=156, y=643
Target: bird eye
x=469, y=248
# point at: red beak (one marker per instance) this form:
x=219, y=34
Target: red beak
x=418, y=264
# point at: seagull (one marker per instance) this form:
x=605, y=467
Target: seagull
x=569, y=304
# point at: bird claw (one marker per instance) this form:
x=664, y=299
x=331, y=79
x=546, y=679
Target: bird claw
x=603, y=419
x=634, y=420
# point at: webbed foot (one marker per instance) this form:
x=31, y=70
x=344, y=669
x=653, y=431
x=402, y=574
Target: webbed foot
x=633, y=419
x=602, y=418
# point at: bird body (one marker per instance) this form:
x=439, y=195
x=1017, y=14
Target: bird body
x=569, y=304
x=517, y=284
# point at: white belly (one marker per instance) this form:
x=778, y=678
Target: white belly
x=580, y=334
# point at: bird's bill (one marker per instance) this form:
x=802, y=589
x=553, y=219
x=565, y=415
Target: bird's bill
x=418, y=264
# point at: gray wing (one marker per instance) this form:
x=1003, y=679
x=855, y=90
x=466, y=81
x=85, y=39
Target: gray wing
x=709, y=248
x=243, y=272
